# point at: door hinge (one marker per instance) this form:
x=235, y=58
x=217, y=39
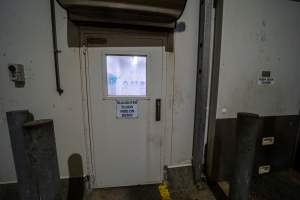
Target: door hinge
x=215, y=3
x=84, y=50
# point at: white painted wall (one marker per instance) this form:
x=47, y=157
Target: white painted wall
x=25, y=38
x=259, y=35
x=186, y=45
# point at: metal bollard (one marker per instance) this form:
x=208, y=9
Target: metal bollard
x=26, y=184
x=41, y=151
x=247, y=132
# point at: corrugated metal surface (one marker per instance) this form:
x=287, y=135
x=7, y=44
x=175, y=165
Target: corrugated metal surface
x=154, y=13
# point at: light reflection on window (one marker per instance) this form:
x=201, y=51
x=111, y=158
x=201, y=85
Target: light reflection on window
x=126, y=75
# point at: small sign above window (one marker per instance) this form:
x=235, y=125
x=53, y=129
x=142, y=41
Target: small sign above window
x=127, y=109
x=126, y=75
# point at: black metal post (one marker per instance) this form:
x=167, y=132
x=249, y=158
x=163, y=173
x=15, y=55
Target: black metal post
x=41, y=151
x=247, y=132
x=26, y=184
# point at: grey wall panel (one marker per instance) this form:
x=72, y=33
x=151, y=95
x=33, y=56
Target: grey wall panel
x=280, y=155
x=259, y=35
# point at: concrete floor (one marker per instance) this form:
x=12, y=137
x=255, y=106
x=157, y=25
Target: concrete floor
x=179, y=181
x=274, y=186
x=149, y=192
x=180, y=186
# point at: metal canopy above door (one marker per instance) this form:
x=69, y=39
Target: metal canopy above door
x=150, y=13
x=117, y=23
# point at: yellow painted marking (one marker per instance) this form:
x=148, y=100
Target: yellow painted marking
x=164, y=192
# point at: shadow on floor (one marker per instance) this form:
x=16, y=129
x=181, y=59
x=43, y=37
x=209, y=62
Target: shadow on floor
x=145, y=192
x=283, y=185
x=180, y=185
x=9, y=191
x=76, y=183
x=277, y=186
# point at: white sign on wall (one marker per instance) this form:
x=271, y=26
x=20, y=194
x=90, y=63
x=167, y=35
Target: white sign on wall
x=127, y=109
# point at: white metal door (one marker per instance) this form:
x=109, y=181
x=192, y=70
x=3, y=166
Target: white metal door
x=127, y=150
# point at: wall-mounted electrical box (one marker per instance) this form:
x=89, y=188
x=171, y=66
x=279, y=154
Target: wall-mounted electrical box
x=17, y=74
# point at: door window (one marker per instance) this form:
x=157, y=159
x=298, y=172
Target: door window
x=126, y=75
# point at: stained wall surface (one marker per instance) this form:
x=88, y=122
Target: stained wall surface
x=25, y=38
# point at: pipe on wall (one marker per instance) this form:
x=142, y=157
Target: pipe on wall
x=55, y=49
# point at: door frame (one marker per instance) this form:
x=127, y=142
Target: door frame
x=168, y=89
x=214, y=86
x=209, y=52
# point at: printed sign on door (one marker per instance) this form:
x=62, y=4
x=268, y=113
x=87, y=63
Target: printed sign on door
x=127, y=109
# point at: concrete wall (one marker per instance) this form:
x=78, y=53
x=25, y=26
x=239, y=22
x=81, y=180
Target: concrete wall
x=259, y=35
x=25, y=38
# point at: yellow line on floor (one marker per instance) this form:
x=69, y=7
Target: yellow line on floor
x=164, y=192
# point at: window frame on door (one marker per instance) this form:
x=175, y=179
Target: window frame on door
x=125, y=53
